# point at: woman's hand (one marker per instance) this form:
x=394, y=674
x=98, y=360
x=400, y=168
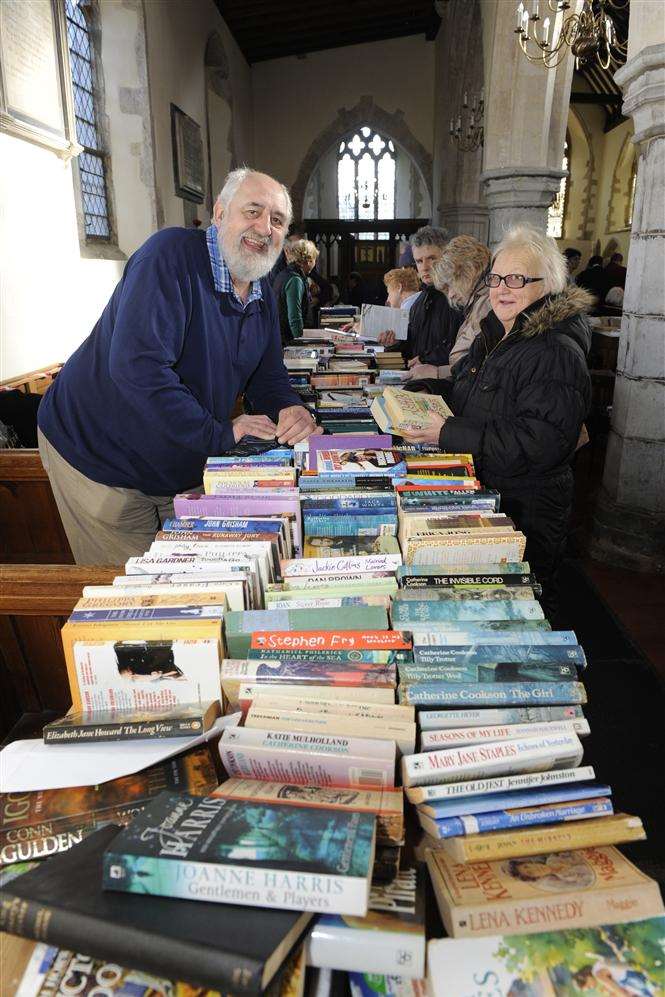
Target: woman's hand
x=421, y=370
x=387, y=338
x=429, y=434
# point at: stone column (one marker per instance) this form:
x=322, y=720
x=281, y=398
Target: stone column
x=518, y=194
x=629, y=527
x=464, y=219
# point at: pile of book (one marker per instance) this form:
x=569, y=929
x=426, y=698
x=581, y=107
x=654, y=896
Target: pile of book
x=317, y=634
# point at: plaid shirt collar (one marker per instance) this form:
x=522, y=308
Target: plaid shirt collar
x=221, y=274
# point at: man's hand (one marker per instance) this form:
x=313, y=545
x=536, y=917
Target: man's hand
x=254, y=425
x=295, y=424
x=412, y=362
x=430, y=434
x=420, y=370
x=387, y=338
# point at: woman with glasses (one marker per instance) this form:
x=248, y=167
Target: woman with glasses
x=520, y=395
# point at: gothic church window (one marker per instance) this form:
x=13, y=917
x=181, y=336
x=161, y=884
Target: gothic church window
x=366, y=179
x=557, y=212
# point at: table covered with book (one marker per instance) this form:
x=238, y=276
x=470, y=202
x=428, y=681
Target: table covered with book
x=322, y=739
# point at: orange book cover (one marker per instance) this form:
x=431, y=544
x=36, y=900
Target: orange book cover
x=330, y=640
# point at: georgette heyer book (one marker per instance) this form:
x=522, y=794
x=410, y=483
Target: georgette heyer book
x=213, y=849
x=570, y=889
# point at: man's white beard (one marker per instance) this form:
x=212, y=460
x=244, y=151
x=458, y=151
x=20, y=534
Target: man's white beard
x=245, y=266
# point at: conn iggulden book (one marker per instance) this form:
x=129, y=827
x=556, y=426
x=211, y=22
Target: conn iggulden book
x=208, y=848
x=227, y=948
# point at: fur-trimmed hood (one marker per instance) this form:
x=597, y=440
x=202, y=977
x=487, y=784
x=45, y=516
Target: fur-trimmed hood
x=557, y=310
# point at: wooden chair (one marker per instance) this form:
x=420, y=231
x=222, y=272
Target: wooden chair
x=31, y=531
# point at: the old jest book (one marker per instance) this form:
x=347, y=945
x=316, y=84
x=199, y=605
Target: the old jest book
x=570, y=889
x=210, y=848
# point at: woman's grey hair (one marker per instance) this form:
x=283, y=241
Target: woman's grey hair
x=301, y=252
x=541, y=252
x=429, y=235
x=235, y=178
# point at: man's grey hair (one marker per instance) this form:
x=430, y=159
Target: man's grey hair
x=429, y=235
x=236, y=178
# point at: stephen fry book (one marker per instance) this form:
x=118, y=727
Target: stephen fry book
x=212, y=849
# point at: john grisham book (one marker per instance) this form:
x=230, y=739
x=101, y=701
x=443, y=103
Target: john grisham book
x=226, y=851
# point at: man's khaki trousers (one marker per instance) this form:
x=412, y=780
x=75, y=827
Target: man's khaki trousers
x=104, y=525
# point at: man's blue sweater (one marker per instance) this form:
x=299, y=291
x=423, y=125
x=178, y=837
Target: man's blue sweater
x=148, y=395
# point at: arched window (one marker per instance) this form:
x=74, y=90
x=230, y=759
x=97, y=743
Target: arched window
x=557, y=211
x=366, y=178
x=92, y=161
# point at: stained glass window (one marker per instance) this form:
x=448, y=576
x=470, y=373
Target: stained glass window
x=557, y=211
x=92, y=170
x=366, y=178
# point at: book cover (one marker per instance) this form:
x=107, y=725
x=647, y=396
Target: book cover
x=444, y=719
x=499, y=671
x=493, y=694
x=386, y=805
x=556, y=751
x=497, y=820
x=222, y=947
x=559, y=889
x=37, y=824
x=488, y=802
x=408, y=410
x=223, y=851
x=615, y=829
x=381, y=985
x=366, y=461
x=432, y=740
x=482, y=653
x=54, y=972
x=498, y=784
x=618, y=958
x=390, y=938
x=130, y=725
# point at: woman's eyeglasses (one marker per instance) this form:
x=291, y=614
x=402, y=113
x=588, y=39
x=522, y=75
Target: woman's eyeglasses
x=512, y=280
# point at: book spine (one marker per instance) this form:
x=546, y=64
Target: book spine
x=437, y=739
x=235, y=884
x=483, y=653
x=332, y=946
x=616, y=830
x=488, y=694
x=490, y=802
x=306, y=769
x=449, y=827
x=326, y=657
x=207, y=966
x=416, y=672
x=555, y=913
x=531, y=635
x=445, y=719
x=499, y=784
x=497, y=609
x=125, y=731
x=30, y=848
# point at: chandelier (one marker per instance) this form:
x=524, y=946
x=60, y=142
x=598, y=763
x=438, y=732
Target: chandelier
x=547, y=31
x=467, y=131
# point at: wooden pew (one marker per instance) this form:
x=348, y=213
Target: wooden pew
x=35, y=601
x=31, y=531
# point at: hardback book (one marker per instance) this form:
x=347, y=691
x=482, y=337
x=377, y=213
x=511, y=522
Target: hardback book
x=617, y=958
x=440, y=637
x=462, y=806
x=498, y=671
x=309, y=759
x=38, y=824
x=386, y=804
x=506, y=820
x=482, y=653
x=390, y=938
x=558, y=889
x=129, y=725
x=346, y=545
x=445, y=719
x=211, y=849
x=498, y=784
x=493, y=694
x=404, y=410
x=220, y=946
x=433, y=740
x=555, y=751
x=403, y=733
x=614, y=829
x=246, y=691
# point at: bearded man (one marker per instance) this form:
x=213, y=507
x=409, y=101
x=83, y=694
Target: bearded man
x=148, y=396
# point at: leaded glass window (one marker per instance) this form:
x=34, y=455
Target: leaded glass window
x=91, y=162
x=366, y=179
x=557, y=211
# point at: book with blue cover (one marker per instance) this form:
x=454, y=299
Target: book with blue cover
x=200, y=525
x=498, y=671
x=449, y=719
x=433, y=637
x=492, y=694
x=465, y=610
x=500, y=820
x=490, y=802
x=487, y=653
x=259, y=855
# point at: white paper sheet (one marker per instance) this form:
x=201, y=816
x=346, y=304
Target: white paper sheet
x=32, y=765
x=376, y=319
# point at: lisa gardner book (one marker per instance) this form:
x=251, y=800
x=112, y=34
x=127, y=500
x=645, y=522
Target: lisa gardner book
x=226, y=851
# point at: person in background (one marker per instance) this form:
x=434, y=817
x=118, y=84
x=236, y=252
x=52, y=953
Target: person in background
x=573, y=260
x=296, y=232
x=594, y=279
x=356, y=290
x=460, y=275
x=291, y=290
x=521, y=394
x=433, y=322
x=149, y=395
x=406, y=257
x=615, y=272
x=403, y=287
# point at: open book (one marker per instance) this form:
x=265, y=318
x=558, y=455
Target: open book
x=375, y=319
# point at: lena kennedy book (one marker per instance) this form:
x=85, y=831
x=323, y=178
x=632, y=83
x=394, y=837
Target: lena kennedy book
x=258, y=855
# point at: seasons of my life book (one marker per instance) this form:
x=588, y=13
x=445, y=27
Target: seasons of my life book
x=213, y=849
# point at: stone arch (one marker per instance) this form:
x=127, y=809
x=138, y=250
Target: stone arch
x=621, y=190
x=365, y=112
x=217, y=86
x=582, y=183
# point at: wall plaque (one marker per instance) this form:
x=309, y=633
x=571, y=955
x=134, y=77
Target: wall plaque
x=187, y=156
